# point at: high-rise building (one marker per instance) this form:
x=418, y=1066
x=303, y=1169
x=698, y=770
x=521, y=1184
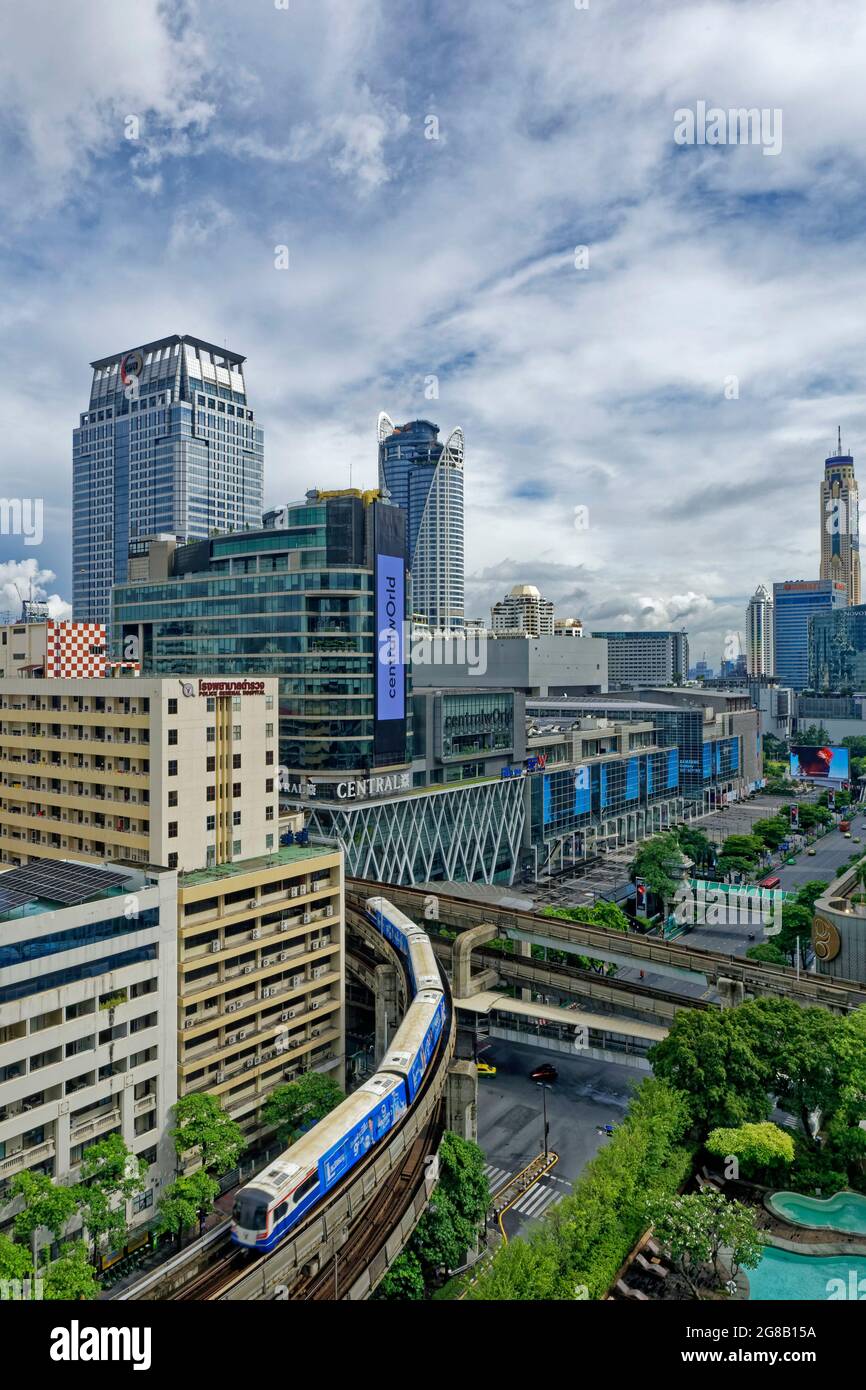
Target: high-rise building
x=840, y=523
x=646, y=658
x=306, y=598
x=425, y=479
x=837, y=650
x=168, y=443
x=88, y=1020
x=759, y=633
x=795, y=601
x=523, y=610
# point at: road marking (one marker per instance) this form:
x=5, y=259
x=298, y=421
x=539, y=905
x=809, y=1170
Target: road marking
x=539, y=1201
x=496, y=1177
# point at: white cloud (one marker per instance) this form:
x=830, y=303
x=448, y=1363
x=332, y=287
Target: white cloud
x=23, y=579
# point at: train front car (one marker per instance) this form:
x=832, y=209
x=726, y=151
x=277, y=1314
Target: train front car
x=290, y=1187
x=414, y=1044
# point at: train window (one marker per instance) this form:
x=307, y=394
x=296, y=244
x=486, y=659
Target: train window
x=306, y=1187
x=250, y=1212
x=280, y=1211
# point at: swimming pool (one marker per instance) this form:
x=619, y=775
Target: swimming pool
x=844, y=1212
x=784, y=1275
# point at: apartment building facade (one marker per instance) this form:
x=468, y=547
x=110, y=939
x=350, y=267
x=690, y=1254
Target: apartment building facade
x=88, y=1020
x=181, y=773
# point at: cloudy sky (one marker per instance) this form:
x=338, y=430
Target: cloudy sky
x=679, y=380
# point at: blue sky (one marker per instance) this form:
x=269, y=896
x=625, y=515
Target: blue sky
x=601, y=386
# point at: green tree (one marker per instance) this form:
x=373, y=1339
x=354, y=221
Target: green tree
x=713, y=1062
x=767, y=952
x=185, y=1203
x=696, y=845
x=204, y=1131
x=695, y=1228
x=814, y=736
x=46, y=1203
x=70, y=1278
x=808, y=893
x=462, y=1177
x=442, y=1236
x=772, y=832
x=15, y=1260
x=303, y=1102
x=110, y=1175
x=758, y=1148
x=653, y=862
x=404, y=1281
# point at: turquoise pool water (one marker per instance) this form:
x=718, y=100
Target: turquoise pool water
x=783, y=1275
x=844, y=1212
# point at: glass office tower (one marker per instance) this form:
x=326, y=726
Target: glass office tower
x=168, y=444
x=425, y=479
x=303, y=599
x=794, y=602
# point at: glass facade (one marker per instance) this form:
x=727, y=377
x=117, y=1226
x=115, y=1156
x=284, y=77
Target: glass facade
x=168, y=445
x=298, y=603
x=571, y=798
x=475, y=724
x=794, y=603
x=837, y=651
x=425, y=479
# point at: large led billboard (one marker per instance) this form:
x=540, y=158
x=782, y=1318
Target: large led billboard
x=390, y=616
x=827, y=764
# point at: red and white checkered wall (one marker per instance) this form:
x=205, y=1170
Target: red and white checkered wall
x=69, y=649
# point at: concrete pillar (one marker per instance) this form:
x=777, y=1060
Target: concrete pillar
x=461, y=1100
x=462, y=956
x=731, y=992
x=386, y=1008
x=61, y=1140
x=524, y=949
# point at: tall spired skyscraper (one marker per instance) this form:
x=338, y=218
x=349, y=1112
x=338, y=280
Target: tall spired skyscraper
x=760, y=657
x=425, y=479
x=168, y=444
x=840, y=523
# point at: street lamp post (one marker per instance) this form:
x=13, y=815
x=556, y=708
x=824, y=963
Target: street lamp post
x=544, y=1088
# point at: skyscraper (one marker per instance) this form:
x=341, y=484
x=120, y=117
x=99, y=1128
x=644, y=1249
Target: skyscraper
x=794, y=602
x=840, y=523
x=759, y=633
x=167, y=444
x=523, y=610
x=425, y=479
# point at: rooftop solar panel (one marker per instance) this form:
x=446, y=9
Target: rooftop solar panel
x=56, y=881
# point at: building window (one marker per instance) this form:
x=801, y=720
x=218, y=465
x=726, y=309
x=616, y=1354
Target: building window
x=172, y=706
x=211, y=705
x=269, y=702
x=269, y=813
x=236, y=817
x=236, y=761
x=211, y=793
x=172, y=768
x=172, y=797
x=172, y=830
x=144, y=1199
x=211, y=733
x=172, y=735
x=236, y=789
x=269, y=842
x=269, y=731
x=269, y=785
x=269, y=758
x=172, y=859
x=210, y=823
x=211, y=764
x=236, y=846
x=236, y=730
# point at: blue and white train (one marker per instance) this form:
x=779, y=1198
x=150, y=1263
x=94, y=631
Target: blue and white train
x=269, y=1206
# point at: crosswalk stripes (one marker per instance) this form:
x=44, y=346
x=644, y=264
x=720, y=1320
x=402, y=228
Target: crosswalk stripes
x=537, y=1200
x=496, y=1177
